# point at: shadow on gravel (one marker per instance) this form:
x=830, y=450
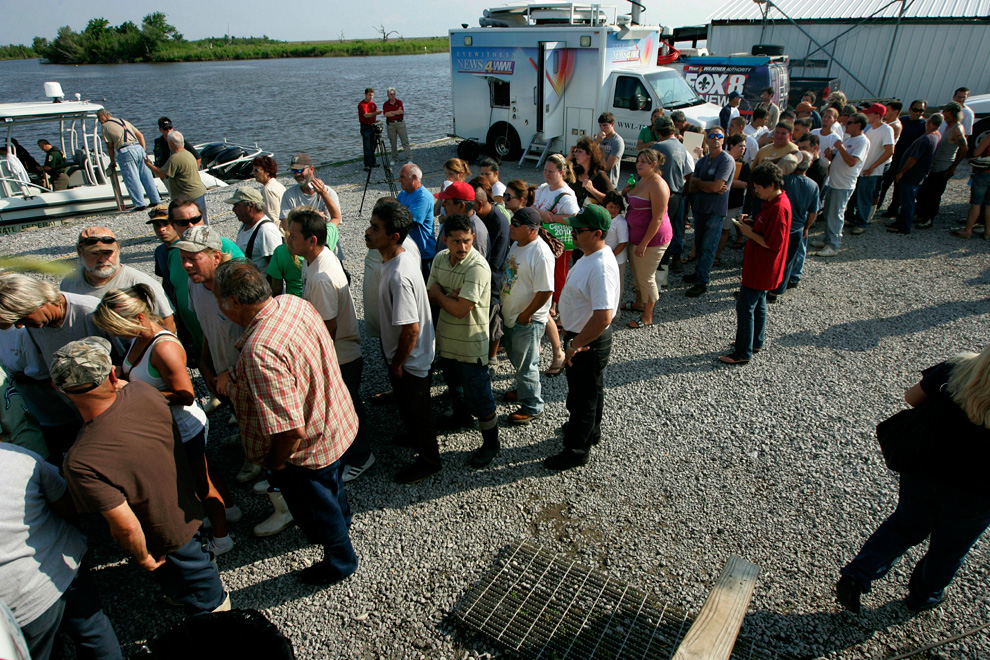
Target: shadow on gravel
x=866, y=334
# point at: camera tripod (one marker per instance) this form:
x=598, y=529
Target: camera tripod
x=384, y=161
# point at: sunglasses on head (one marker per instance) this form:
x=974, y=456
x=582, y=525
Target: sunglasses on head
x=195, y=220
x=93, y=240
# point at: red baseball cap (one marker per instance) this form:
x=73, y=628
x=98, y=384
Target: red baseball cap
x=878, y=108
x=459, y=190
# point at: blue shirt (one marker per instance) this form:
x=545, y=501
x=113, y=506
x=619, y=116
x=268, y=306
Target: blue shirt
x=420, y=203
x=709, y=169
x=924, y=150
x=803, y=193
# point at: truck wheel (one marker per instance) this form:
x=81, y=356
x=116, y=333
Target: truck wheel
x=503, y=142
x=981, y=129
x=467, y=150
x=768, y=49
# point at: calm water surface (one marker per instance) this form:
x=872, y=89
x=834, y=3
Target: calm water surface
x=287, y=105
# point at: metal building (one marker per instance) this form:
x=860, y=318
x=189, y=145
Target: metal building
x=905, y=49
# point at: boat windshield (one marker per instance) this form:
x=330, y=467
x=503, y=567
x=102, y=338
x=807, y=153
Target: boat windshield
x=673, y=92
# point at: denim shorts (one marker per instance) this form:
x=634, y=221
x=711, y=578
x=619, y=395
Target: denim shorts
x=980, y=193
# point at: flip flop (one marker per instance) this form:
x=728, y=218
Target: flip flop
x=638, y=324
x=555, y=369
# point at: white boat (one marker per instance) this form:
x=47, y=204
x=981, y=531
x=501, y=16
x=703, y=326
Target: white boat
x=81, y=140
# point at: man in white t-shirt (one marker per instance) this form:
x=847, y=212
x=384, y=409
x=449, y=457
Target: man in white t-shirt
x=587, y=304
x=406, y=327
x=968, y=116
x=259, y=235
x=737, y=125
x=827, y=134
x=847, y=158
x=309, y=191
x=325, y=287
x=526, y=291
x=881, y=139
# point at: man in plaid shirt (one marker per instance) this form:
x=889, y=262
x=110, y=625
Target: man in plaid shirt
x=296, y=416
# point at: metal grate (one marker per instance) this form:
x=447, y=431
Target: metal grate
x=544, y=606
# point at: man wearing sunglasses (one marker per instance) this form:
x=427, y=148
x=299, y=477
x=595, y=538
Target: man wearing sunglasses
x=912, y=128
x=310, y=191
x=100, y=270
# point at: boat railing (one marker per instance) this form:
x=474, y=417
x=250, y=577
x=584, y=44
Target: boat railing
x=25, y=188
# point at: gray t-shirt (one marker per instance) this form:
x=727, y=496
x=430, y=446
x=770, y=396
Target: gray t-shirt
x=613, y=146
x=401, y=301
x=40, y=552
x=125, y=278
x=676, y=163
x=710, y=169
x=77, y=324
x=372, y=276
x=221, y=333
x=294, y=197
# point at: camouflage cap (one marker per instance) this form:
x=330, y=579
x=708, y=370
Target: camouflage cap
x=82, y=362
x=199, y=238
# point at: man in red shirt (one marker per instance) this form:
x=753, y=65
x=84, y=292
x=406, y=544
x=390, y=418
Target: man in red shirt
x=395, y=124
x=295, y=414
x=763, y=261
x=367, y=114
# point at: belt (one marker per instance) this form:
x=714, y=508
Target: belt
x=393, y=121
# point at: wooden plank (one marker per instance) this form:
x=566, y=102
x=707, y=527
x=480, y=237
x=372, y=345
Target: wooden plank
x=714, y=632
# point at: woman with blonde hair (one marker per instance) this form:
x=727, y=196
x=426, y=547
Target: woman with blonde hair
x=944, y=492
x=650, y=232
x=156, y=357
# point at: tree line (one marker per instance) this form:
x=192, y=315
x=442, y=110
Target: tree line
x=155, y=40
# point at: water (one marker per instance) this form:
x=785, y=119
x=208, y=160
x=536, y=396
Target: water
x=286, y=105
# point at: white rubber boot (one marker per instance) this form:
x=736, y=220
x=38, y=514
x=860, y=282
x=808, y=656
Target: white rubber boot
x=278, y=521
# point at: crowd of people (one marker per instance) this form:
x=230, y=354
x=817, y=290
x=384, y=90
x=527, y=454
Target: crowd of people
x=450, y=279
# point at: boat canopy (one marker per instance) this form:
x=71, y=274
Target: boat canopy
x=34, y=112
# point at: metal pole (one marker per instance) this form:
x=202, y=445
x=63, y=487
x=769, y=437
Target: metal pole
x=893, y=40
x=812, y=39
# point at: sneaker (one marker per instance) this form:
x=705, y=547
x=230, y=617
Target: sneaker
x=483, y=456
x=260, y=487
x=521, y=417
x=416, y=472
x=566, y=460
x=231, y=514
x=856, y=231
x=847, y=593
x=352, y=472
x=924, y=224
x=818, y=243
x=827, y=251
x=248, y=472
x=280, y=519
x=218, y=546
x=696, y=291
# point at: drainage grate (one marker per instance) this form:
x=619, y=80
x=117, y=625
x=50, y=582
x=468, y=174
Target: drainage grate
x=544, y=606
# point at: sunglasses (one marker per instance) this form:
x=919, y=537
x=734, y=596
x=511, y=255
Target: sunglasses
x=716, y=136
x=195, y=220
x=917, y=109
x=581, y=230
x=507, y=198
x=93, y=240
x=298, y=171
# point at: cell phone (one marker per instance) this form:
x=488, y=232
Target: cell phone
x=736, y=223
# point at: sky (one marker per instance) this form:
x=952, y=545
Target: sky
x=299, y=21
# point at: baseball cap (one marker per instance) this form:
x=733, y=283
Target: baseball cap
x=804, y=106
x=878, y=108
x=664, y=123
x=81, y=362
x=458, y=190
x=246, y=194
x=527, y=216
x=300, y=160
x=199, y=238
x=164, y=122
x=89, y=239
x=734, y=95
x=592, y=216
x=157, y=213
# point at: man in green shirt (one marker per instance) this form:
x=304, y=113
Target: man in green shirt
x=54, y=166
x=460, y=287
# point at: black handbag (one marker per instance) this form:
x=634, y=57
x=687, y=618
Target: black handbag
x=907, y=437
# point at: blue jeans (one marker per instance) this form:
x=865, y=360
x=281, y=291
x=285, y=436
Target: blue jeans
x=360, y=449
x=905, y=214
x=79, y=614
x=137, y=175
x=707, y=232
x=470, y=387
x=953, y=520
x=317, y=501
x=586, y=393
x=866, y=188
x=802, y=253
x=522, y=344
x=795, y=245
x=751, y=321
x=189, y=577
x=368, y=143
x=675, y=211
x=835, y=208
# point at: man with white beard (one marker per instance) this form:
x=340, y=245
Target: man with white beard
x=100, y=270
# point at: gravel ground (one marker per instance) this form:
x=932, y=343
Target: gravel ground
x=776, y=461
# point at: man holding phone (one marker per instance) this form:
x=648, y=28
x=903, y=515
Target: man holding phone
x=308, y=191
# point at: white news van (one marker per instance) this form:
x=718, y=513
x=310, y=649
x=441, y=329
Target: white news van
x=534, y=78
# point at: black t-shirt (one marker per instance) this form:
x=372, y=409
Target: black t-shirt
x=162, y=152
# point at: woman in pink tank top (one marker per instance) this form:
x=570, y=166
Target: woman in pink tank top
x=649, y=233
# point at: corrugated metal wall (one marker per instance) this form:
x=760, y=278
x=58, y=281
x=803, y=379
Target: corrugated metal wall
x=929, y=61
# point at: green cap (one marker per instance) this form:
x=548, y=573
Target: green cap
x=592, y=216
x=82, y=362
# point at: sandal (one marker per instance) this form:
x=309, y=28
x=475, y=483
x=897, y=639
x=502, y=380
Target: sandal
x=555, y=368
x=731, y=359
x=959, y=233
x=628, y=307
x=638, y=323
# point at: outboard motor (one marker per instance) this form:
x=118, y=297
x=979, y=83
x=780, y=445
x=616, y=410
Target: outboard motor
x=209, y=153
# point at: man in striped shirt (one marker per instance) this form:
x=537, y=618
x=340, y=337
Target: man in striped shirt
x=295, y=413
